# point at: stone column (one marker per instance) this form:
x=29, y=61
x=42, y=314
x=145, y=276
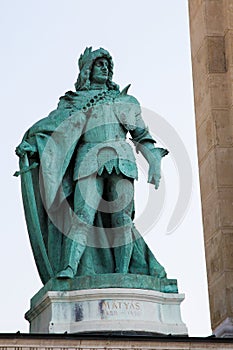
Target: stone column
x=211, y=31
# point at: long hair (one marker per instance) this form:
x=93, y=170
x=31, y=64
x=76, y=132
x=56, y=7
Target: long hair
x=86, y=62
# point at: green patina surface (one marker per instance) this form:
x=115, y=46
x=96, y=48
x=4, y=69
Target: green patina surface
x=107, y=281
x=77, y=176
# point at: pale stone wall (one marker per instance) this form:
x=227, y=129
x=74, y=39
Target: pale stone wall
x=51, y=343
x=211, y=30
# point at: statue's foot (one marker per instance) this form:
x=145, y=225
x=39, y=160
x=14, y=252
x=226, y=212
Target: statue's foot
x=66, y=273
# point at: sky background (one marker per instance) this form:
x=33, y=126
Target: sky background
x=149, y=41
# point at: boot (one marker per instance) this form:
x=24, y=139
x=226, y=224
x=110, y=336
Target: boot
x=71, y=257
x=122, y=257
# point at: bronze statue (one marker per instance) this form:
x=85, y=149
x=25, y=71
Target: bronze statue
x=77, y=173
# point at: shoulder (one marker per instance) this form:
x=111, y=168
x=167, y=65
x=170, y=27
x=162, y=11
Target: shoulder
x=67, y=99
x=129, y=102
x=126, y=98
x=74, y=100
x=68, y=103
x=132, y=99
x=52, y=120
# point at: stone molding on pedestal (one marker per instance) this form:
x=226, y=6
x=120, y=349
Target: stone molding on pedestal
x=107, y=310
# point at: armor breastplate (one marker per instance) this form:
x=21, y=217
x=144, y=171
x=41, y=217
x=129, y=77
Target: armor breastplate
x=103, y=145
x=103, y=125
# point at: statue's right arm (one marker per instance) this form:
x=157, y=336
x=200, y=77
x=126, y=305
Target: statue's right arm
x=45, y=126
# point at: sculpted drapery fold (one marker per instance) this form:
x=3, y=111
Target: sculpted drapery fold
x=76, y=155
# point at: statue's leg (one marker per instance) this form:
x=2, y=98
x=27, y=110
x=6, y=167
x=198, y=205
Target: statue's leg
x=121, y=194
x=88, y=192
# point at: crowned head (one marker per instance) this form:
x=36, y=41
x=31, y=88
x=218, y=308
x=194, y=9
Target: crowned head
x=95, y=66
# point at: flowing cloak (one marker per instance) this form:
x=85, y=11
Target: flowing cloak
x=48, y=187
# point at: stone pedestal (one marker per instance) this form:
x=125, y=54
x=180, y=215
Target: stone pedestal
x=107, y=310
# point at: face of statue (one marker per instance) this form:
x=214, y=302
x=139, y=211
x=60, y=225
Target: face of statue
x=100, y=70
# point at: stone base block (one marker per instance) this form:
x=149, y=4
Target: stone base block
x=225, y=329
x=107, y=310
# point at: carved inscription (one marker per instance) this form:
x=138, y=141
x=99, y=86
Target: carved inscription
x=116, y=307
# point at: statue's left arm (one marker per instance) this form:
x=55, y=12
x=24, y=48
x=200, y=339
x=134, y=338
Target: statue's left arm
x=152, y=154
x=144, y=143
